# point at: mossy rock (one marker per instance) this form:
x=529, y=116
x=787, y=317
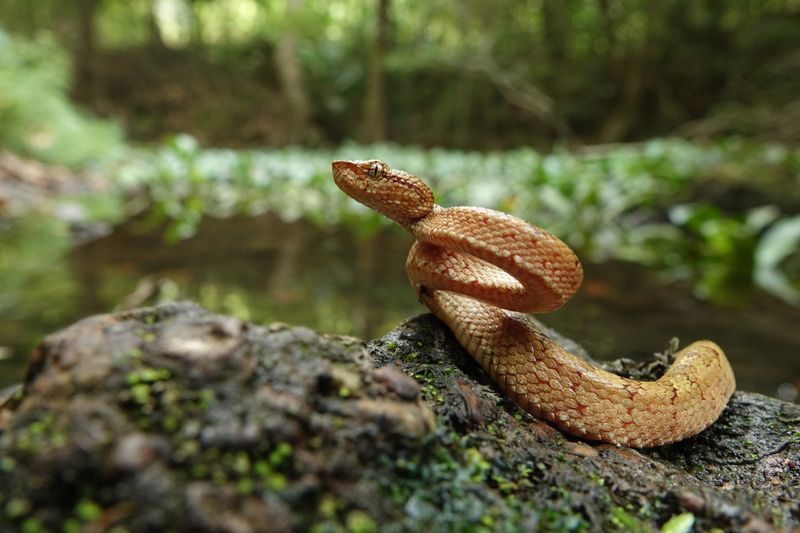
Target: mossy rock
x=176, y=419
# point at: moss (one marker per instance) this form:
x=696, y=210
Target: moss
x=71, y=525
x=240, y=463
x=87, y=510
x=245, y=487
x=140, y=393
x=360, y=522
x=622, y=520
x=428, y=377
x=148, y=375
x=681, y=523
x=7, y=464
x=32, y=525
x=449, y=484
x=282, y=451
x=328, y=506
x=134, y=353
x=18, y=507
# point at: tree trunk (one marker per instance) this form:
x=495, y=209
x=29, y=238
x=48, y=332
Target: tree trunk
x=637, y=77
x=373, y=121
x=85, y=50
x=292, y=81
x=558, y=30
x=155, y=38
x=609, y=27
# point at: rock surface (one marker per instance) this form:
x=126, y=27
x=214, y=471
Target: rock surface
x=174, y=418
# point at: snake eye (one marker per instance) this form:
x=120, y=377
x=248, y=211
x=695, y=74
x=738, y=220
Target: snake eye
x=374, y=168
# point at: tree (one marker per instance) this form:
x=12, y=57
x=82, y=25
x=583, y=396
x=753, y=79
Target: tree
x=292, y=80
x=85, y=48
x=373, y=119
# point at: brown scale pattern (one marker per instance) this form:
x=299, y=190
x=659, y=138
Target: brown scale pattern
x=475, y=268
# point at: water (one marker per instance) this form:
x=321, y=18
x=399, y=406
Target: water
x=265, y=270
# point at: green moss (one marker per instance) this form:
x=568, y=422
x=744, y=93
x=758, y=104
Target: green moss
x=147, y=375
x=240, y=463
x=360, y=522
x=245, y=486
x=141, y=393
x=199, y=470
x=18, y=507
x=7, y=464
x=275, y=482
x=171, y=423
x=622, y=520
x=87, y=510
x=206, y=397
x=71, y=525
x=452, y=486
x=282, y=451
x=32, y=525
x=596, y=478
x=135, y=353
x=681, y=523
x=411, y=357
x=327, y=506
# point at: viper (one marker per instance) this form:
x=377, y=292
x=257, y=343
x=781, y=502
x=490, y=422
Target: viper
x=480, y=271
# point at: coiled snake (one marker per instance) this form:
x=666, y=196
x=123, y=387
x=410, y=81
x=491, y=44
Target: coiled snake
x=479, y=270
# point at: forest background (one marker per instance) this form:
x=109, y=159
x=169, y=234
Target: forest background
x=659, y=134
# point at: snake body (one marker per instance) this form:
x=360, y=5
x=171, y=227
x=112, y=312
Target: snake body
x=480, y=270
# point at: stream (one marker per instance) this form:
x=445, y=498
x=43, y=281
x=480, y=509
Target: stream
x=263, y=270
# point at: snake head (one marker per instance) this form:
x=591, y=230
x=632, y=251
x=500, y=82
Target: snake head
x=395, y=194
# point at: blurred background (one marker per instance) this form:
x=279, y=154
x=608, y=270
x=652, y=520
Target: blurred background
x=153, y=150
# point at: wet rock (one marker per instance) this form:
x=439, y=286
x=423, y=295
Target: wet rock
x=398, y=382
x=137, y=451
x=213, y=508
x=174, y=418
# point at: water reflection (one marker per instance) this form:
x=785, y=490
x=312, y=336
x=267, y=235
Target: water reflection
x=262, y=269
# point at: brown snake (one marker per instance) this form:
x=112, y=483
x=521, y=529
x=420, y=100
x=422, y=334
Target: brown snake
x=479, y=270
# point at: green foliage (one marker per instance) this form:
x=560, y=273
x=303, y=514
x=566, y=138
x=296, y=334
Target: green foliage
x=36, y=115
x=623, y=203
x=465, y=74
x=778, y=260
x=716, y=250
x=38, y=292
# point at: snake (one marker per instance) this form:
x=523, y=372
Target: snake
x=481, y=272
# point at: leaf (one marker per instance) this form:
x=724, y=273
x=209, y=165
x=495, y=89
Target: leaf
x=778, y=244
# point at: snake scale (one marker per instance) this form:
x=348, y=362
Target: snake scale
x=480, y=270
